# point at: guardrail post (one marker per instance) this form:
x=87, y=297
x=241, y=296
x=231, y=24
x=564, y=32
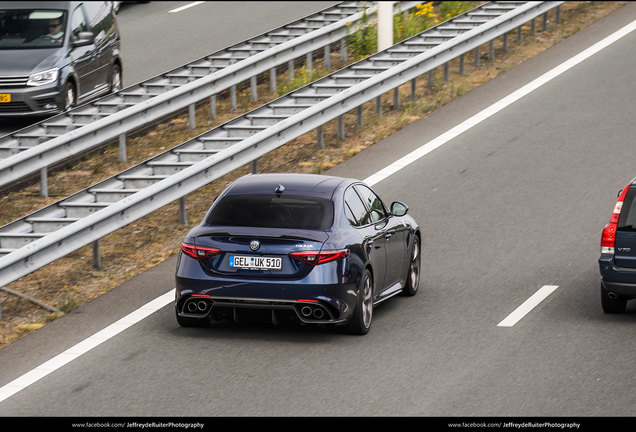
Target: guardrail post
x=461, y=64
x=44, y=182
x=378, y=106
x=253, y=89
x=327, y=60
x=183, y=217
x=446, y=77
x=212, y=107
x=430, y=80
x=122, y=148
x=97, y=260
x=532, y=27
x=233, y=97
x=476, y=56
x=309, y=63
x=192, y=121
x=396, y=98
x=320, y=137
x=491, y=50
x=341, y=128
x=505, y=42
x=359, y=115
x=290, y=68
x=557, y=15
x=545, y=21
x=413, y=88
x=519, y=35
x=272, y=80
x=343, y=50
x=255, y=166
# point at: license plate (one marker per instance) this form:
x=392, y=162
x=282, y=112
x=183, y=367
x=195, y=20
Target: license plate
x=255, y=262
x=5, y=97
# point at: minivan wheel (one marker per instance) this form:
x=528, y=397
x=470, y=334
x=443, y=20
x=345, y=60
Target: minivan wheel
x=360, y=322
x=69, y=96
x=116, y=79
x=612, y=305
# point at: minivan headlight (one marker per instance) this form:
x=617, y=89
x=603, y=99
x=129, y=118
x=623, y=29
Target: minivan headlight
x=42, y=78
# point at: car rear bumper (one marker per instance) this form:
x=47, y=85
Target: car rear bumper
x=276, y=300
x=619, y=280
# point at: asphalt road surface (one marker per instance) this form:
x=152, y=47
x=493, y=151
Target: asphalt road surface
x=513, y=204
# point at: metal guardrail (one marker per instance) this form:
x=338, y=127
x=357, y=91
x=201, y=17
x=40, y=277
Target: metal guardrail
x=48, y=234
x=52, y=141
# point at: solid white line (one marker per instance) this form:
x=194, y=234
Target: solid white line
x=83, y=347
x=86, y=345
x=498, y=106
x=188, y=6
x=527, y=306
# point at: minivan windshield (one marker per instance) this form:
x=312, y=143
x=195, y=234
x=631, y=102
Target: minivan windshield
x=32, y=28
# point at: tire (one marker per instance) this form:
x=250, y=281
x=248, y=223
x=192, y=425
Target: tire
x=413, y=271
x=70, y=96
x=116, y=80
x=360, y=321
x=610, y=305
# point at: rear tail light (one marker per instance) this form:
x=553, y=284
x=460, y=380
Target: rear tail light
x=319, y=257
x=609, y=232
x=199, y=252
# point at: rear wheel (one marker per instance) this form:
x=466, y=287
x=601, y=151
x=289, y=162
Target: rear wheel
x=413, y=276
x=612, y=305
x=69, y=96
x=360, y=322
x=116, y=79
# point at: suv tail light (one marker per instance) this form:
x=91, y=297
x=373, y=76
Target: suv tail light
x=315, y=257
x=609, y=232
x=199, y=252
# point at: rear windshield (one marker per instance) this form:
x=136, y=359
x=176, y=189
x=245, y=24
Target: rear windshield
x=31, y=28
x=271, y=211
x=627, y=219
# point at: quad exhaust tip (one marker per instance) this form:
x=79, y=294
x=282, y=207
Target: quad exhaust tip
x=312, y=312
x=200, y=307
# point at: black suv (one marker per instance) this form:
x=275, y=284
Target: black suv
x=618, y=253
x=55, y=55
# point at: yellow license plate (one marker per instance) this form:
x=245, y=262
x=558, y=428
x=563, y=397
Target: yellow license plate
x=5, y=98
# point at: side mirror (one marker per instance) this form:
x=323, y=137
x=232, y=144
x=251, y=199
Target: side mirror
x=84, y=38
x=399, y=209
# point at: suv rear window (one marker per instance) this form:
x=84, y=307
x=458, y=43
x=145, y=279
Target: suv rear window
x=272, y=211
x=627, y=219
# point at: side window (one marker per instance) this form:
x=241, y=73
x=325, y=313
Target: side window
x=373, y=202
x=355, y=210
x=100, y=18
x=78, y=24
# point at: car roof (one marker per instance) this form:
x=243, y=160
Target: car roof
x=305, y=184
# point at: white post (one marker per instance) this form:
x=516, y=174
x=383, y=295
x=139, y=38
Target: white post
x=385, y=25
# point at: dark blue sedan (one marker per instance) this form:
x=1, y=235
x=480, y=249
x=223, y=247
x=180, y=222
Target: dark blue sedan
x=305, y=248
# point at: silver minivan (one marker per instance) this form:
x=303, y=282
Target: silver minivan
x=55, y=55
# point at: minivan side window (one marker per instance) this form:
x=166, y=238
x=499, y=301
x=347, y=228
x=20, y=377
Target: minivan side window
x=373, y=202
x=100, y=18
x=78, y=24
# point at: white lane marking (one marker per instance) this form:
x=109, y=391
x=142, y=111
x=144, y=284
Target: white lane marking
x=86, y=345
x=527, y=306
x=188, y=6
x=83, y=347
x=497, y=106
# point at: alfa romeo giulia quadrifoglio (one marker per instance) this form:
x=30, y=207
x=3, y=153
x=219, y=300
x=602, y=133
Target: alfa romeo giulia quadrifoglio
x=303, y=248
